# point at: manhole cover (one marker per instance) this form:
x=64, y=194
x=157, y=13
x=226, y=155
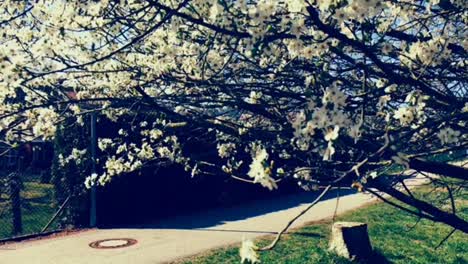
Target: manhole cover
x=113, y=243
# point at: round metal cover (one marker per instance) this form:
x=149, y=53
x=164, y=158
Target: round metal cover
x=113, y=243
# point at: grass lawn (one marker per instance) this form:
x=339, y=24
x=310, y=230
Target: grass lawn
x=392, y=234
x=37, y=206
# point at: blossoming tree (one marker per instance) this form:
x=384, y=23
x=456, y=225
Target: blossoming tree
x=328, y=92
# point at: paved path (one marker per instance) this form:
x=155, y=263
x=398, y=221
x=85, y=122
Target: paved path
x=166, y=241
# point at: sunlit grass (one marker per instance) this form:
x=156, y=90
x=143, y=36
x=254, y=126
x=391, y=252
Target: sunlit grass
x=37, y=204
x=394, y=236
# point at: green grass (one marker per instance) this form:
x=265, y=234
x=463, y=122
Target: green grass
x=38, y=206
x=392, y=234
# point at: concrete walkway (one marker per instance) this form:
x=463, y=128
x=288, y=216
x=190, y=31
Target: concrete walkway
x=166, y=241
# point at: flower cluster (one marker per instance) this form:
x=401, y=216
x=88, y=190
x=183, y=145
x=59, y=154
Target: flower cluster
x=226, y=150
x=448, y=136
x=260, y=170
x=433, y=52
x=43, y=122
x=76, y=156
x=328, y=118
x=293, y=85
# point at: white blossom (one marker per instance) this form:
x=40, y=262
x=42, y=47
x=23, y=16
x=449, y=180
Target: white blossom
x=405, y=115
x=332, y=133
x=329, y=151
x=448, y=136
x=259, y=172
x=104, y=143
x=226, y=150
x=146, y=152
x=248, y=251
x=335, y=96
x=90, y=181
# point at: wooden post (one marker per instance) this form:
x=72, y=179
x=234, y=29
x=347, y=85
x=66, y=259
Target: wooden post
x=93, y=139
x=15, y=196
x=350, y=240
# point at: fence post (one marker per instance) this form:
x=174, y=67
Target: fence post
x=93, y=218
x=15, y=196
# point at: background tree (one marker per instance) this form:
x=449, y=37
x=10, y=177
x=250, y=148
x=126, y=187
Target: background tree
x=324, y=91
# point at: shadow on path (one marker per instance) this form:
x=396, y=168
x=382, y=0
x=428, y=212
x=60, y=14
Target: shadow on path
x=214, y=217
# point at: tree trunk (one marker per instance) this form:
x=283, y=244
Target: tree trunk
x=350, y=240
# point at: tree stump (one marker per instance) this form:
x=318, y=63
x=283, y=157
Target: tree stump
x=350, y=240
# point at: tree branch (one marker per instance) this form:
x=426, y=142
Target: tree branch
x=437, y=214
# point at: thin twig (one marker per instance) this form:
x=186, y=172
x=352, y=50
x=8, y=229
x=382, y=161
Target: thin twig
x=445, y=239
x=337, y=204
x=273, y=244
x=415, y=224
